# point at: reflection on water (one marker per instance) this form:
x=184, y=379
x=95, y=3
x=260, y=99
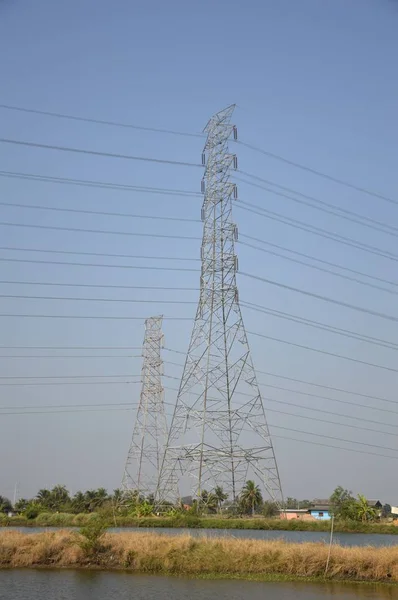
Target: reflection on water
x=344, y=539
x=20, y=584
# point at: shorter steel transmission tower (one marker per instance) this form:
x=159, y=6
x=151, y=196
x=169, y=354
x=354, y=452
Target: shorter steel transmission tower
x=150, y=430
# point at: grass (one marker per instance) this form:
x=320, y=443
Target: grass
x=192, y=522
x=203, y=557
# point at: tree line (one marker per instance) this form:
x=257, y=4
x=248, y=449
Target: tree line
x=250, y=501
x=58, y=499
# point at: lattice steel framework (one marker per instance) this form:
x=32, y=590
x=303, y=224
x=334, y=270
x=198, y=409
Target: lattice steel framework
x=219, y=433
x=143, y=462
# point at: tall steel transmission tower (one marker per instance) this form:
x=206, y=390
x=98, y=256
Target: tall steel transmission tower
x=219, y=434
x=143, y=462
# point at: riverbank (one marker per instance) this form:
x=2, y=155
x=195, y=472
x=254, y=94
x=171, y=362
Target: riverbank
x=198, y=557
x=192, y=522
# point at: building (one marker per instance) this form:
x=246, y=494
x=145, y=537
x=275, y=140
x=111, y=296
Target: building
x=295, y=513
x=377, y=505
x=320, y=509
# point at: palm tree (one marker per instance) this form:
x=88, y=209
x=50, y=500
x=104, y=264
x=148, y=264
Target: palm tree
x=117, y=496
x=90, y=497
x=44, y=497
x=207, y=501
x=251, y=495
x=79, y=502
x=102, y=496
x=59, y=497
x=220, y=496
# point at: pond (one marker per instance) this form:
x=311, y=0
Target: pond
x=32, y=584
x=344, y=539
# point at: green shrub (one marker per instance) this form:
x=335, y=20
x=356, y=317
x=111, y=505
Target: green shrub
x=91, y=539
x=31, y=512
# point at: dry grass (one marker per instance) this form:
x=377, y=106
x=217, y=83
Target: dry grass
x=151, y=553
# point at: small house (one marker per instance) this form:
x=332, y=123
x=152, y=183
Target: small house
x=320, y=509
x=377, y=505
x=294, y=513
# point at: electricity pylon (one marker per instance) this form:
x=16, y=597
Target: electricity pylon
x=143, y=462
x=219, y=434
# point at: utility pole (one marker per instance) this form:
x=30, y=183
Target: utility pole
x=143, y=462
x=219, y=434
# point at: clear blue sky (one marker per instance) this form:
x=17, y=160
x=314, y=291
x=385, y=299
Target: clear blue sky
x=313, y=81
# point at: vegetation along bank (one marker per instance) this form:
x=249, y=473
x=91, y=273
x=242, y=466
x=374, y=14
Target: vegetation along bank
x=184, y=555
x=197, y=522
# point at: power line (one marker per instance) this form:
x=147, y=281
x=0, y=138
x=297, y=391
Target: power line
x=159, y=190
x=323, y=298
x=182, y=258
x=56, y=412
x=179, y=258
x=102, y=265
x=73, y=298
x=281, y=412
x=331, y=388
x=323, y=326
x=323, y=270
x=244, y=244
x=55, y=406
x=76, y=376
x=329, y=412
x=244, y=205
x=185, y=237
x=70, y=347
x=325, y=387
x=323, y=233
x=117, y=318
x=134, y=256
x=274, y=426
x=98, y=212
x=319, y=351
x=138, y=267
x=98, y=285
x=305, y=382
x=131, y=404
x=338, y=400
x=318, y=173
x=99, y=184
x=48, y=113
x=183, y=269
x=69, y=383
x=191, y=134
x=268, y=400
x=46, y=356
x=188, y=193
x=67, y=376
x=320, y=205
x=330, y=437
x=92, y=382
x=283, y=437
x=101, y=231
x=97, y=153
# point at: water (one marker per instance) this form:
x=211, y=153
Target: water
x=26, y=584
x=344, y=539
